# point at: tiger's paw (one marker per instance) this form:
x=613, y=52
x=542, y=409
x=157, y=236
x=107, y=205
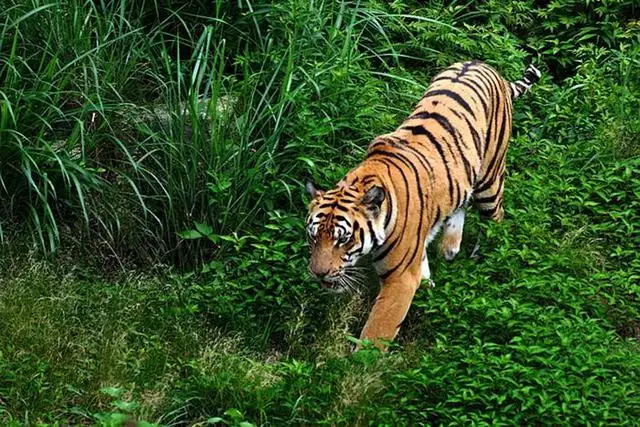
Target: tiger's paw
x=430, y=283
x=450, y=245
x=450, y=253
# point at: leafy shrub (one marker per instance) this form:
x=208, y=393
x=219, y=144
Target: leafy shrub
x=191, y=148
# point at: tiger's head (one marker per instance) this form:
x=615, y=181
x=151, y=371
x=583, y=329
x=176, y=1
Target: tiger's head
x=343, y=225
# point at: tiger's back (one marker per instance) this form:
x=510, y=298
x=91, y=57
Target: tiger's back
x=461, y=127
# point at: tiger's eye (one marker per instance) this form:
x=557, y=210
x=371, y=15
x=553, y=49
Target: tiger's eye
x=344, y=239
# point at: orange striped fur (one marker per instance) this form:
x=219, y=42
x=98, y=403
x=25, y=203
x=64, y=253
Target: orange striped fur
x=415, y=181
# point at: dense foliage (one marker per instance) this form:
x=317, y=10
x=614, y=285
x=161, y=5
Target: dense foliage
x=173, y=138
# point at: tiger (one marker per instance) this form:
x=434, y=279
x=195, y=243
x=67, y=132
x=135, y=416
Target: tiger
x=413, y=183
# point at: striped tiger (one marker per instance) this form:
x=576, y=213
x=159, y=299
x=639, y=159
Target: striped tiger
x=414, y=182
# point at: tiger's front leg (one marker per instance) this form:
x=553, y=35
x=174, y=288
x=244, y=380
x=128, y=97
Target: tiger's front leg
x=390, y=308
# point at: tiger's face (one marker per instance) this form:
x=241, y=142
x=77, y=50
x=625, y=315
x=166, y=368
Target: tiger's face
x=343, y=225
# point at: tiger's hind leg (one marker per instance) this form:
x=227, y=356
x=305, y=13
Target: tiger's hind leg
x=452, y=236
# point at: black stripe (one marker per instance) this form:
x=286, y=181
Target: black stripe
x=477, y=142
x=492, y=180
x=484, y=86
x=487, y=140
x=491, y=80
x=372, y=234
x=497, y=153
x=485, y=183
x=465, y=68
x=394, y=268
x=478, y=95
x=472, y=81
x=410, y=165
x=386, y=250
x=386, y=138
x=421, y=130
x=389, y=207
x=438, y=215
x=449, y=128
x=367, y=179
x=503, y=126
x=488, y=213
x=388, y=199
x=465, y=198
x=341, y=218
x=387, y=216
x=377, y=144
x=439, y=78
x=397, y=266
x=491, y=124
x=382, y=255
x=485, y=80
x=500, y=136
x=489, y=199
x=442, y=120
x=493, y=74
x=421, y=157
x=360, y=248
x=388, y=273
x=451, y=95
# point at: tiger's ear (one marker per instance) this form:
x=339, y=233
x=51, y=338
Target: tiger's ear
x=373, y=199
x=312, y=190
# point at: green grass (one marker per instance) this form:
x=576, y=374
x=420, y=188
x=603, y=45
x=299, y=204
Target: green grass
x=154, y=266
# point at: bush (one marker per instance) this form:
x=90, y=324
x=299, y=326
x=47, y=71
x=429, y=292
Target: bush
x=182, y=133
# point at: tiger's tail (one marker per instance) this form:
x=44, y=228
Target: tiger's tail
x=519, y=87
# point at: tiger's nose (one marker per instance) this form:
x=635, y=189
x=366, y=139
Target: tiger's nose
x=317, y=272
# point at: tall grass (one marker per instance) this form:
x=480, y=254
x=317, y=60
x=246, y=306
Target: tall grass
x=63, y=77
x=238, y=139
x=139, y=127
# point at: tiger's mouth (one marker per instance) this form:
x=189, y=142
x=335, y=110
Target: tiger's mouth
x=339, y=281
x=326, y=284
x=331, y=283
x=332, y=287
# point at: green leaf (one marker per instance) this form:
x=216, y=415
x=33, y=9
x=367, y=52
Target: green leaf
x=204, y=229
x=190, y=234
x=112, y=391
x=234, y=413
x=126, y=406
